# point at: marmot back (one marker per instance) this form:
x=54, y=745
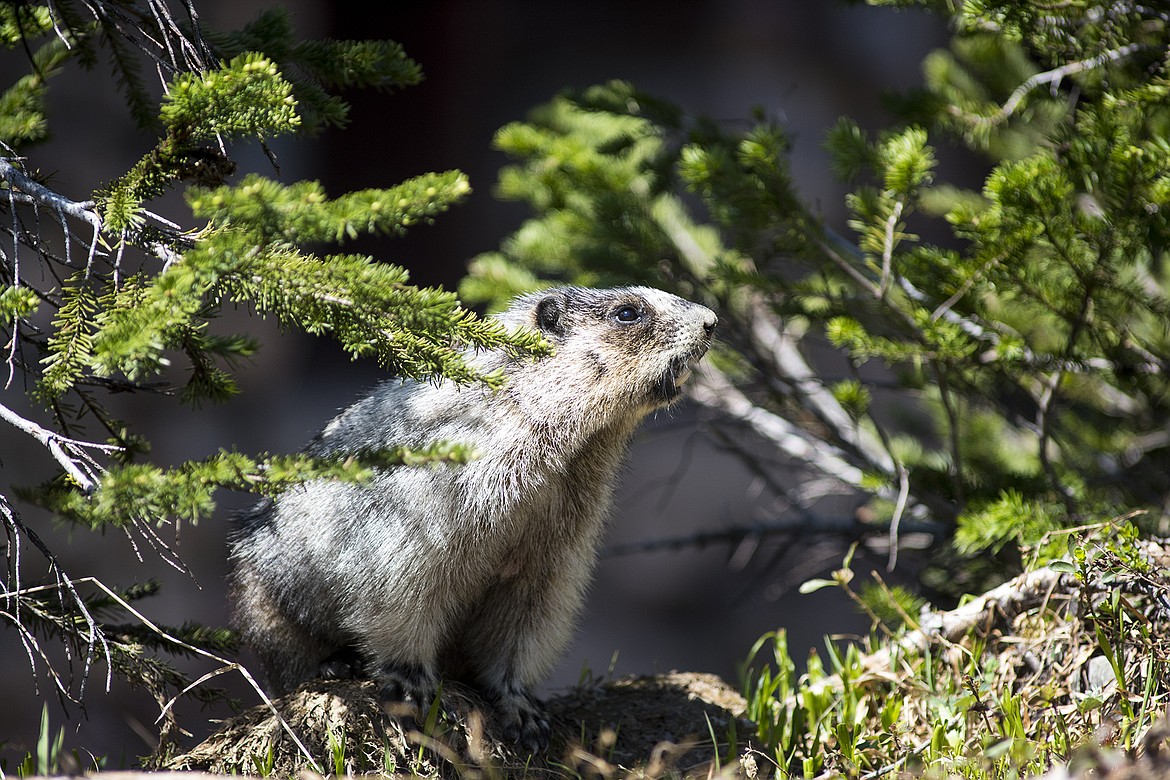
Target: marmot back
x=477, y=571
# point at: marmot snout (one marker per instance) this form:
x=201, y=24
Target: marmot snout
x=476, y=570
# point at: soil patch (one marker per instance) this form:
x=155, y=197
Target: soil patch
x=684, y=723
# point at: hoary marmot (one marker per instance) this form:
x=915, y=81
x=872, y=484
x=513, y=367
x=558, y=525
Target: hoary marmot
x=475, y=571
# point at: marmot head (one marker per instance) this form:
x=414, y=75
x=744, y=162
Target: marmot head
x=621, y=351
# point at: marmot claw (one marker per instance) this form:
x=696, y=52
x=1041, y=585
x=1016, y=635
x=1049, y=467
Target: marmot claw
x=527, y=725
x=405, y=692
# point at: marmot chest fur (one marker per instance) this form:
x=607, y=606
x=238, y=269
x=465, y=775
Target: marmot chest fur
x=476, y=570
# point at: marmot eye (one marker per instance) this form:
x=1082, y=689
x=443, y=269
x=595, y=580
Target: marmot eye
x=627, y=314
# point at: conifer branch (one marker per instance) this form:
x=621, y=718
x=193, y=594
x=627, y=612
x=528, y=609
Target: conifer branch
x=993, y=334
x=766, y=334
x=1053, y=77
x=117, y=322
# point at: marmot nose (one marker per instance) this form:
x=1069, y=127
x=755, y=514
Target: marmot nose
x=709, y=323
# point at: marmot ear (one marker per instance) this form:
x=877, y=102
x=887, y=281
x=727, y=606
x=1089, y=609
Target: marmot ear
x=550, y=314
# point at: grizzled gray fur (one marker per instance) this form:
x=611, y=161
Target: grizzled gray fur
x=474, y=571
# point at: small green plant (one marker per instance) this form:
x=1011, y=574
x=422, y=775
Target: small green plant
x=769, y=687
x=337, y=753
x=263, y=764
x=46, y=760
x=389, y=758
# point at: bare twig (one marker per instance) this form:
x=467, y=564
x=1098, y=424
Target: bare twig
x=13, y=346
x=1044, y=426
x=163, y=550
x=888, y=242
x=69, y=453
x=83, y=210
x=896, y=518
x=712, y=389
x=670, y=215
x=953, y=434
x=227, y=666
x=842, y=525
x=771, y=341
x=64, y=587
x=850, y=270
x=785, y=499
x=774, y=343
x=158, y=44
x=945, y=307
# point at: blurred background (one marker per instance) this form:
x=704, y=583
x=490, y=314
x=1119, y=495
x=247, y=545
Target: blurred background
x=694, y=607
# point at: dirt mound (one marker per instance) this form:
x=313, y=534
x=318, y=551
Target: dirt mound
x=687, y=723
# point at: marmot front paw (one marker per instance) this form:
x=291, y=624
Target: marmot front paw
x=524, y=721
x=345, y=664
x=406, y=691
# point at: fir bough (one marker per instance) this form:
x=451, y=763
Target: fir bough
x=135, y=492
